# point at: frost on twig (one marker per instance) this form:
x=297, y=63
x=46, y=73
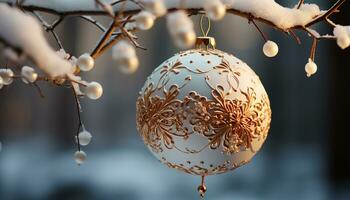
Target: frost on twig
x=24, y=32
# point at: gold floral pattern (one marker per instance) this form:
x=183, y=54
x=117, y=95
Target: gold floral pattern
x=233, y=123
x=158, y=120
x=232, y=118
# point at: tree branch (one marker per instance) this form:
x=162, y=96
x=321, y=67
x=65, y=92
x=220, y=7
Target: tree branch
x=51, y=28
x=103, y=39
x=327, y=14
x=94, y=22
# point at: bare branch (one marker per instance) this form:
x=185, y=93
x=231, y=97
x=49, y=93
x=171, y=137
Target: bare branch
x=103, y=39
x=51, y=28
x=80, y=123
x=297, y=39
x=260, y=31
x=301, y=2
x=93, y=21
x=327, y=14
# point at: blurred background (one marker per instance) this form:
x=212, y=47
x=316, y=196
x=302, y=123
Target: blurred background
x=305, y=156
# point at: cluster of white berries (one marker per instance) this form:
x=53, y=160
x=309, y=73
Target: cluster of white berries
x=123, y=52
x=93, y=90
x=181, y=29
x=84, y=138
x=28, y=76
x=270, y=49
x=125, y=56
x=342, y=33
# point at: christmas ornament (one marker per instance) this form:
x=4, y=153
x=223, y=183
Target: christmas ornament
x=203, y=111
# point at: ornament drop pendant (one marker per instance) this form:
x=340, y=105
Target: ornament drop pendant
x=202, y=188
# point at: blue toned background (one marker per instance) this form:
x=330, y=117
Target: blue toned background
x=304, y=157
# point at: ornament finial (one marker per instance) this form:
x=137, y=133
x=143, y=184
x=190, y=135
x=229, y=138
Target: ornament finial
x=205, y=40
x=202, y=188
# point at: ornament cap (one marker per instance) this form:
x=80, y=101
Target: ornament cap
x=206, y=42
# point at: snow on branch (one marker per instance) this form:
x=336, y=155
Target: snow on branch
x=265, y=10
x=25, y=33
x=129, y=16
x=280, y=16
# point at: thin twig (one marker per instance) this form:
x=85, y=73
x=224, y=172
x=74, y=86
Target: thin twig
x=93, y=21
x=297, y=39
x=56, y=23
x=104, y=7
x=260, y=31
x=58, y=41
x=313, y=49
x=110, y=43
x=51, y=28
x=330, y=11
x=128, y=35
x=38, y=89
x=103, y=39
x=132, y=1
x=330, y=22
x=80, y=123
x=301, y=2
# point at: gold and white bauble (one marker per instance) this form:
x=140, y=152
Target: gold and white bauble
x=203, y=112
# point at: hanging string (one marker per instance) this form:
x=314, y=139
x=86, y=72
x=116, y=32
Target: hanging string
x=201, y=25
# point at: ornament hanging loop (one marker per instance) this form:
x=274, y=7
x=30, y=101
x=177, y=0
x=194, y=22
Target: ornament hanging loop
x=201, y=25
x=205, y=40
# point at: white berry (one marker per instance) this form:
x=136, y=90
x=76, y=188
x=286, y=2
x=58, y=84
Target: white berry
x=94, y=90
x=28, y=75
x=144, y=20
x=128, y=65
x=7, y=76
x=125, y=56
x=270, y=49
x=80, y=157
x=179, y=21
x=85, y=62
x=185, y=39
x=215, y=9
x=84, y=138
x=156, y=7
x=310, y=68
x=181, y=29
x=123, y=49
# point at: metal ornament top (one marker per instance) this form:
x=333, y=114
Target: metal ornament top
x=205, y=41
